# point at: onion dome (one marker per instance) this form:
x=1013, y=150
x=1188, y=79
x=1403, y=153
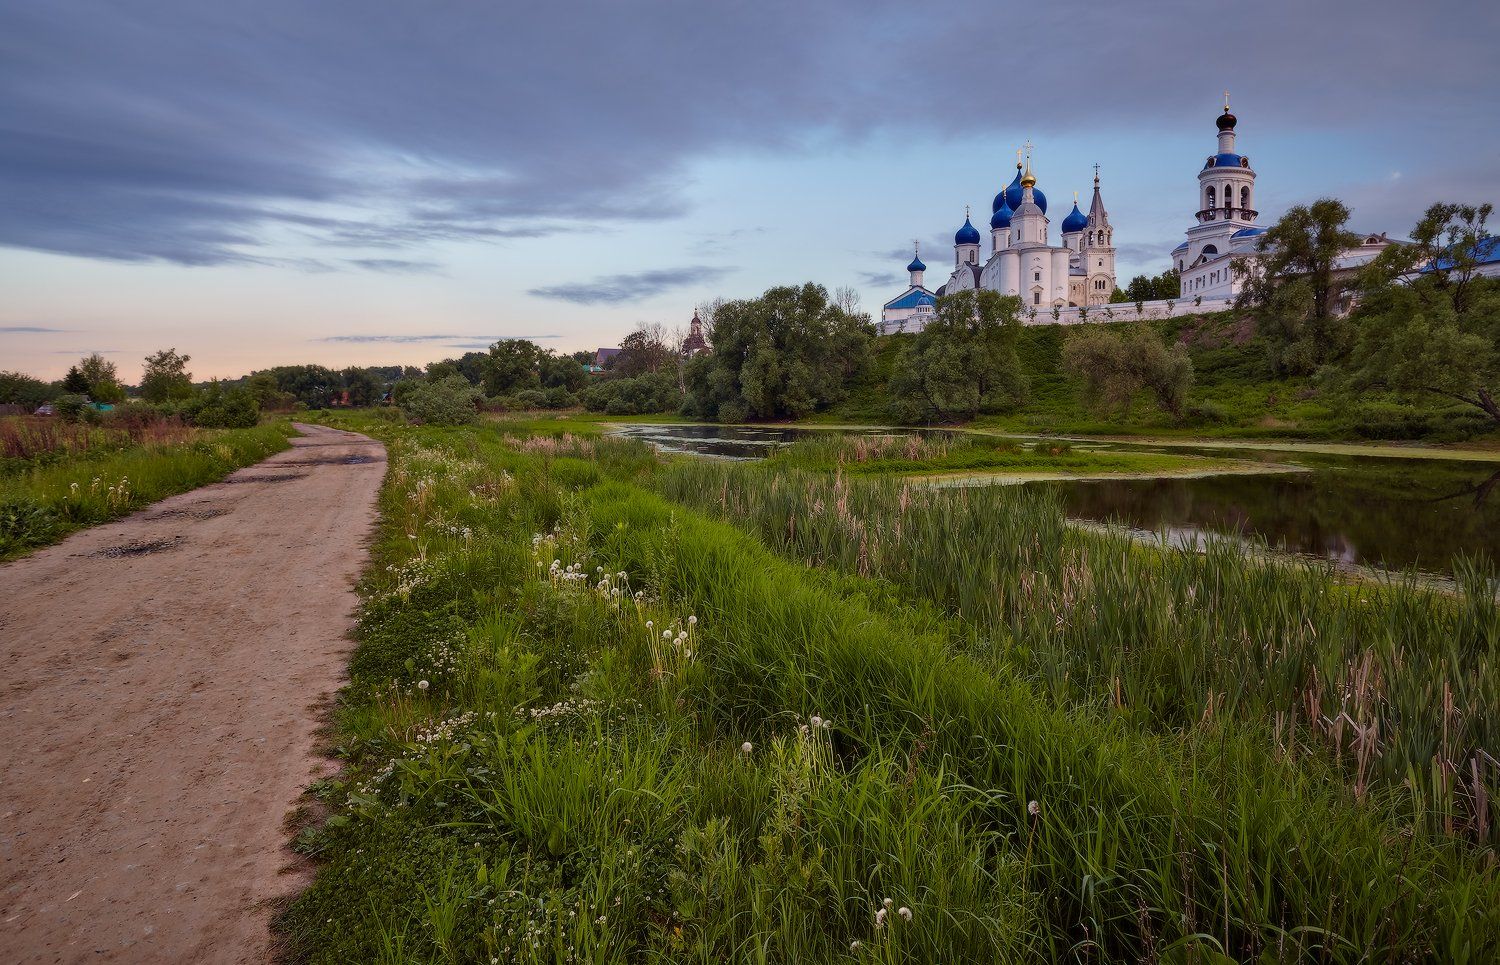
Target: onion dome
x=1075, y=221
x=916, y=265
x=1015, y=191
x=1226, y=120
x=967, y=235
x=1001, y=217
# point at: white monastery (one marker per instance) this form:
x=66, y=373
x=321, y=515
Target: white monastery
x=1073, y=281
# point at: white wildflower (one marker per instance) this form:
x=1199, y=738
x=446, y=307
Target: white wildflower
x=1033, y=808
x=746, y=747
x=422, y=685
x=904, y=912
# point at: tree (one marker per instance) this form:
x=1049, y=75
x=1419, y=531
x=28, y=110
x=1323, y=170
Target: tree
x=1115, y=369
x=647, y=349
x=846, y=298
x=963, y=362
x=562, y=371
x=267, y=395
x=17, y=388
x=165, y=376
x=784, y=355
x=313, y=385
x=1147, y=288
x=364, y=388
x=1426, y=321
x=102, y=377
x=75, y=382
x=1294, y=286
x=512, y=366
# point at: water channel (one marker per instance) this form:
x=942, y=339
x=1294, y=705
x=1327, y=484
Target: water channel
x=1358, y=511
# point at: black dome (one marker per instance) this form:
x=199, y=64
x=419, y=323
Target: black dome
x=1226, y=121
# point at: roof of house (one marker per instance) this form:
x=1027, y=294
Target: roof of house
x=1486, y=251
x=912, y=298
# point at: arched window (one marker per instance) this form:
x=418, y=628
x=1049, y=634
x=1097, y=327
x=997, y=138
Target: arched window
x=1245, y=196
x=1179, y=264
x=1211, y=197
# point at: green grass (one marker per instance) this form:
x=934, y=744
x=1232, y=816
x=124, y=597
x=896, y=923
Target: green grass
x=534, y=773
x=46, y=502
x=974, y=455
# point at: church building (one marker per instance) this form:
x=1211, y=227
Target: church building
x=1022, y=259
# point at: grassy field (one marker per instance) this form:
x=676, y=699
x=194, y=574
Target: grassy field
x=610, y=708
x=1234, y=395
x=78, y=478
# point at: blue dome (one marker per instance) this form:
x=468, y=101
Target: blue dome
x=1013, y=193
x=916, y=265
x=1001, y=217
x=1075, y=221
x=967, y=235
x=1224, y=161
x=1247, y=232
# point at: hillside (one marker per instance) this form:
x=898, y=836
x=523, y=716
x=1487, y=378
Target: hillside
x=1233, y=396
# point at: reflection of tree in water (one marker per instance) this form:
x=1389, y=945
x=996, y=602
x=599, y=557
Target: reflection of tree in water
x=1399, y=513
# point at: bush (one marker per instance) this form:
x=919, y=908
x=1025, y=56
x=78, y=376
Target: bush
x=218, y=408
x=532, y=399
x=449, y=401
x=1208, y=414
x=71, y=407
x=651, y=392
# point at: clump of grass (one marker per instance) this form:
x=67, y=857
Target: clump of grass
x=42, y=504
x=841, y=769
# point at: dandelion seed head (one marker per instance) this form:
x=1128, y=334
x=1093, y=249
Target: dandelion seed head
x=422, y=685
x=746, y=747
x=1033, y=808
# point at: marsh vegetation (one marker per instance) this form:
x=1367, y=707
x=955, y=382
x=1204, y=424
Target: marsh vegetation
x=608, y=707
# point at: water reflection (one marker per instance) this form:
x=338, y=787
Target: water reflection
x=1354, y=510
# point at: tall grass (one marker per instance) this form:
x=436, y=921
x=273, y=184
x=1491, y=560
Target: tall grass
x=1396, y=683
x=43, y=503
x=588, y=723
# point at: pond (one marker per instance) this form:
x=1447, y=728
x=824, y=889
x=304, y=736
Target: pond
x=1365, y=511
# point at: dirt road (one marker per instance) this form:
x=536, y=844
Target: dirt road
x=163, y=678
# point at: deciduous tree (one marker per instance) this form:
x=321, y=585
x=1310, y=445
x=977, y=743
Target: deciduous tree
x=1115, y=369
x=164, y=376
x=963, y=362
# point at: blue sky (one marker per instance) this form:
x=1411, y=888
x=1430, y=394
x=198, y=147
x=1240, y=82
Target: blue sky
x=376, y=181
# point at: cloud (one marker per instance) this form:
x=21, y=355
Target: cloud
x=202, y=134
x=882, y=278
x=425, y=337
x=615, y=289
x=30, y=330
x=395, y=265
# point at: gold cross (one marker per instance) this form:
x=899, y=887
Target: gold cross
x=1226, y=100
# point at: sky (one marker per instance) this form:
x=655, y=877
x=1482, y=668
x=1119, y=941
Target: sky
x=357, y=182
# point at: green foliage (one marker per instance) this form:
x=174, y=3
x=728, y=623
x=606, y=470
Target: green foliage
x=102, y=377
x=165, y=377
x=315, y=386
x=1435, y=333
x=784, y=355
x=363, y=386
x=18, y=388
x=217, y=407
x=562, y=372
x=1145, y=288
x=75, y=382
x=1114, y=368
x=1294, y=288
x=449, y=401
x=513, y=365
x=648, y=393
x=72, y=408
x=963, y=362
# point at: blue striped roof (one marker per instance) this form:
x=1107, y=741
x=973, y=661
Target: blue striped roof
x=912, y=299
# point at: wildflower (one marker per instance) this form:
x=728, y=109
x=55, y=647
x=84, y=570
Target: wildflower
x=854, y=945
x=650, y=624
x=692, y=621
x=1033, y=808
x=817, y=721
x=666, y=634
x=880, y=919
x=422, y=685
x=904, y=912
x=746, y=747
x=887, y=904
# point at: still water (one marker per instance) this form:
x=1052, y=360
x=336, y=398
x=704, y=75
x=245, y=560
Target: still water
x=1369, y=511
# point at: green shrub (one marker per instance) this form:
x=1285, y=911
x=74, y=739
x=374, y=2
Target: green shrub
x=646, y=393
x=449, y=401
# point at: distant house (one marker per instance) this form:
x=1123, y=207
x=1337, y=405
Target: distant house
x=1486, y=256
x=602, y=358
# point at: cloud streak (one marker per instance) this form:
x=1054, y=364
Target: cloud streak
x=30, y=330
x=420, y=338
x=638, y=286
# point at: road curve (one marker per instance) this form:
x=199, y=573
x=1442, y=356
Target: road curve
x=165, y=679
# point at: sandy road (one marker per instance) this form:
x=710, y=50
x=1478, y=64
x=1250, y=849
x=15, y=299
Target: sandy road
x=163, y=677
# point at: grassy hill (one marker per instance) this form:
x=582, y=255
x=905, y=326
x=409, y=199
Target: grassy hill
x=1234, y=394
